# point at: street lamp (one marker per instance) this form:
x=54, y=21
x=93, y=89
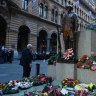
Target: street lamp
x=59, y=43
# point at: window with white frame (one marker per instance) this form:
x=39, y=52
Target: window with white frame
x=24, y=4
x=57, y=0
x=56, y=16
x=61, y=18
x=45, y=11
x=41, y=9
x=52, y=14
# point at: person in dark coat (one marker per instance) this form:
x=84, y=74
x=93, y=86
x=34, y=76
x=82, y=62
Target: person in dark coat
x=10, y=55
x=1, y=55
x=26, y=60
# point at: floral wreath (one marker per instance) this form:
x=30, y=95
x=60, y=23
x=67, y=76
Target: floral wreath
x=69, y=82
x=85, y=62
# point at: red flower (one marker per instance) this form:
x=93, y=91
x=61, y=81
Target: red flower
x=88, y=63
x=84, y=57
x=68, y=83
x=58, y=93
x=79, y=64
x=93, y=68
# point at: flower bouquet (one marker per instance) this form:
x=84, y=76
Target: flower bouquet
x=33, y=93
x=85, y=62
x=52, y=60
x=69, y=54
x=23, y=85
x=69, y=82
x=10, y=88
x=45, y=94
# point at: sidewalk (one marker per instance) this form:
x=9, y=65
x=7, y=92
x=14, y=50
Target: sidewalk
x=13, y=71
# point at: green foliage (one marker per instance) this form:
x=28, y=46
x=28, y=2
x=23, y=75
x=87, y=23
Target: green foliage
x=52, y=59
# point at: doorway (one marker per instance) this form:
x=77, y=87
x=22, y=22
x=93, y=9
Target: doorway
x=42, y=42
x=53, y=43
x=22, y=37
x=3, y=27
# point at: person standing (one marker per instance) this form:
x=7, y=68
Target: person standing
x=26, y=60
x=1, y=55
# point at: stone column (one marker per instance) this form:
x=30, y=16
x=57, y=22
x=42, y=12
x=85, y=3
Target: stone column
x=49, y=14
x=48, y=44
x=59, y=19
x=62, y=43
x=57, y=45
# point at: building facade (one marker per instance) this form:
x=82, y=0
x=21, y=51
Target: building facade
x=24, y=21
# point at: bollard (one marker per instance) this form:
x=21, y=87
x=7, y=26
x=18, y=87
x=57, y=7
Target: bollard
x=37, y=69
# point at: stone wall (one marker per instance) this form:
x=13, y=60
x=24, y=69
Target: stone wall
x=11, y=39
x=51, y=71
x=34, y=25
x=84, y=44
x=93, y=41
x=64, y=70
x=86, y=75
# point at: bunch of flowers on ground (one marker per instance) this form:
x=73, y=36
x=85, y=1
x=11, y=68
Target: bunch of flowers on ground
x=69, y=54
x=85, y=62
x=69, y=82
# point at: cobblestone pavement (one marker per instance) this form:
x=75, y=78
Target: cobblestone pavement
x=14, y=71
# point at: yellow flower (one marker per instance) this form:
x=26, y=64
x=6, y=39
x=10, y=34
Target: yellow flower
x=45, y=93
x=79, y=59
x=76, y=81
x=63, y=81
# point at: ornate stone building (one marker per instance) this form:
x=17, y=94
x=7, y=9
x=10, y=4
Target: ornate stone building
x=86, y=12
x=24, y=21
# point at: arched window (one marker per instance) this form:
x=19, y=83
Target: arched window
x=75, y=9
x=42, y=42
x=86, y=17
x=41, y=9
x=24, y=4
x=80, y=26
x=3, y=27
x=62, y=2
x=56, y=16
x=61, y=18
x=80, y=12
x=45, y=11
x=57, y=0
x=23, y=35
x=53, y=43
x=52, y=15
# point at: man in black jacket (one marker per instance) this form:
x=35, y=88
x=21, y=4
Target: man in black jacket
x=26, y=60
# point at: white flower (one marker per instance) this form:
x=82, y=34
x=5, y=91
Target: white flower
x=87, y=58
x=69, y=53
